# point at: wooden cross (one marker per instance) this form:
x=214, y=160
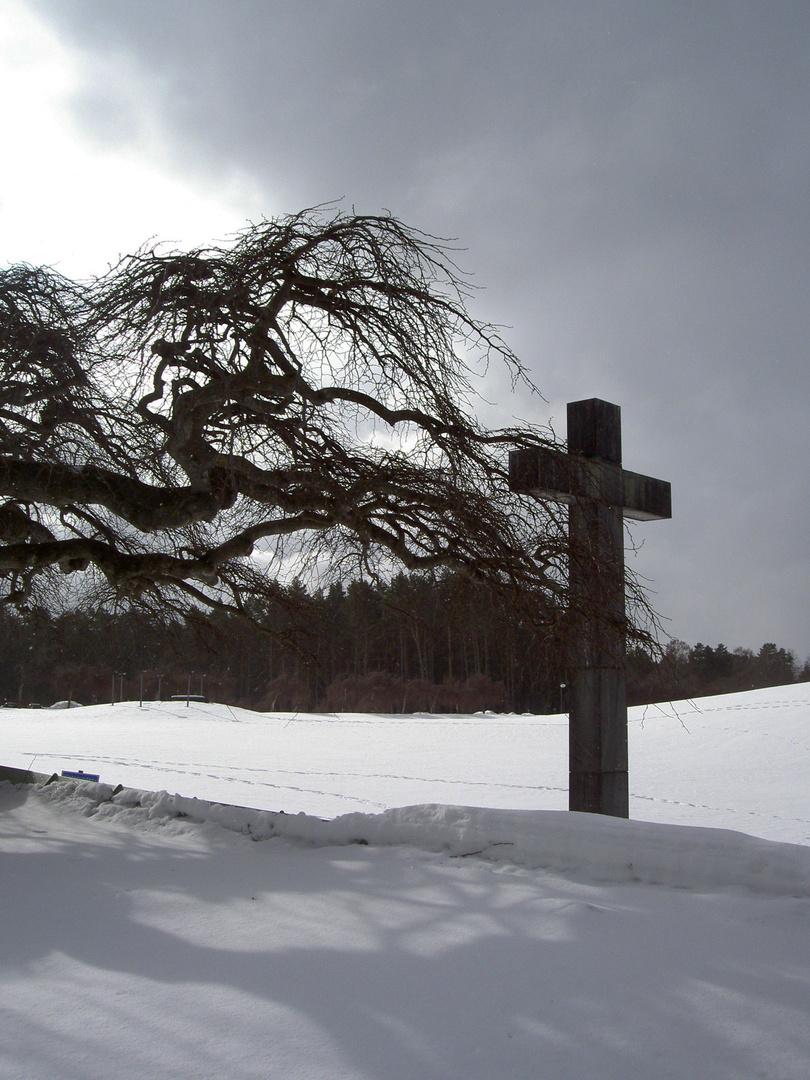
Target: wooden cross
x=599, y=493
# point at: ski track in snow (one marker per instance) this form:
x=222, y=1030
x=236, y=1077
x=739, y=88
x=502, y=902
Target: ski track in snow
x=238, y=776
x=196, y=770
x=243, y=776
x=719, y=809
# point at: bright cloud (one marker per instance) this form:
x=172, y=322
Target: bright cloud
x=75, y=201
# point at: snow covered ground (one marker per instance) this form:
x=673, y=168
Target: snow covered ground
x=439, y=923
x=739, y=761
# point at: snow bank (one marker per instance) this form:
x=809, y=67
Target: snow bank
x=581, y=845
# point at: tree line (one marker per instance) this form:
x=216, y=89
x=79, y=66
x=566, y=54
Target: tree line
x=417, y=643
x=684, y=671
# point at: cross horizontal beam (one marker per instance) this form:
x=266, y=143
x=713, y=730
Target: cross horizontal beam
x=560, y=477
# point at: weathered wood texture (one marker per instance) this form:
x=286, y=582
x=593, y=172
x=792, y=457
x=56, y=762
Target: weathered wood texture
x=600, y=493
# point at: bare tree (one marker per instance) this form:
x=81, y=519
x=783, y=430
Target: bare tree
x=200, y=427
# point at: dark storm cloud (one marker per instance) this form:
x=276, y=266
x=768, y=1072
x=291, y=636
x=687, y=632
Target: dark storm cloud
x=630, y=182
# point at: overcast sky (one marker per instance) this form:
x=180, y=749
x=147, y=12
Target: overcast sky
x=629, y=181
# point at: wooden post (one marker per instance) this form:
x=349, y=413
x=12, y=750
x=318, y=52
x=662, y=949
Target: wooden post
x=597, y=727
x=600, y=493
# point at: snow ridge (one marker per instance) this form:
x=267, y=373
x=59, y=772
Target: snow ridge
x=579, y=845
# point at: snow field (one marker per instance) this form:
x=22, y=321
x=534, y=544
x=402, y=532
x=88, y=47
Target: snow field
x=736, y=761
x=365, y=935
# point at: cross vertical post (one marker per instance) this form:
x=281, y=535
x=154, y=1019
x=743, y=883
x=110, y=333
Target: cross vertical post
x=597, y=722
x=599, y=493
